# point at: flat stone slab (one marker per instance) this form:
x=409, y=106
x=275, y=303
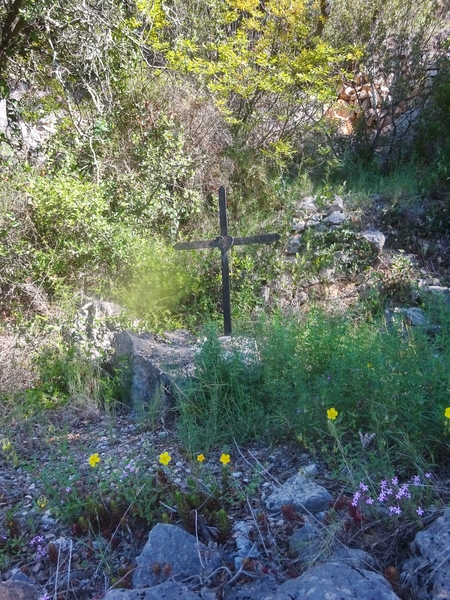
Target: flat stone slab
x=304, y=495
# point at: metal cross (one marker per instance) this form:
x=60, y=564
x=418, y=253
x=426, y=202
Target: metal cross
x=224, y=242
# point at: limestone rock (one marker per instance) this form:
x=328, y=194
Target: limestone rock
x=415, y=316
x=375, y=238
x=94, y=328
x=335, y=581
x=306, y=207
x=169, y=590
x=253, y=590
x=335, y=218
x=307, y=543
x=302, y=493
x=17, y=590
x=293, y=245
x=314, y=220
x=151, y=366
x=298, y=225
x=169, y=552
x=336, y=206
x=354, y=557
x=428, y=572
x=439, y=290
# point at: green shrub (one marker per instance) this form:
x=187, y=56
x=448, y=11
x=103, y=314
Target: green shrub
x=74, y=232
x=158, y=191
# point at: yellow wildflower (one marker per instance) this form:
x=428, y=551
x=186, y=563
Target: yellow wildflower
x=225, y=459
x=332, y=413
x=165, y=458
x=41, y=502
x=447, y=412
x=200, y=458
x=94, y=459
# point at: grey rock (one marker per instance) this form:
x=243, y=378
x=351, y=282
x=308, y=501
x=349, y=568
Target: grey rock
x=334, y=581
x=428, y=571
x=298, y=226
x=170, y=552
x=309, y=470
x=245, y=547
x=293, y=245
x=306, y=207
x=19, y=576
x=314, y=220
x=94, y=327
x=335, y=218
x=354, y=557
x=169, y=590
x=438, y=290
x=152, y=367
x=414, y=316
x=17, y=590
x=336, y=206
x=375, y=238
x=307, y=543
x=253, y=590
x=302, y=493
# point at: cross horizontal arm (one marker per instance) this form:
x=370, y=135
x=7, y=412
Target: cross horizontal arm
x=266, y=238
x=223, y=243
x=197, y=245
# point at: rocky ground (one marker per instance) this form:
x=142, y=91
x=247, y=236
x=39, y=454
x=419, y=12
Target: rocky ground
x=70, y=564
x=25, y=518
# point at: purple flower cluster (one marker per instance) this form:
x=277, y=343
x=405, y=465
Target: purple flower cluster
x=392, y=494
x=37, y=541
x=127, y=470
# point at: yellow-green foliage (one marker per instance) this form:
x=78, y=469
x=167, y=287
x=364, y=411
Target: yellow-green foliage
x=71, y=220
x=257, y=56
x=156, y=282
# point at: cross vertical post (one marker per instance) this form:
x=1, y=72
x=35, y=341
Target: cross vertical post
x=225, y=263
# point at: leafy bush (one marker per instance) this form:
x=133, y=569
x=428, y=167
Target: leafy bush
x=66, y=377
x=158, y=192
x=74, y=233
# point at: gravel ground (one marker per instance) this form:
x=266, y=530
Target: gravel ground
x=71, y=564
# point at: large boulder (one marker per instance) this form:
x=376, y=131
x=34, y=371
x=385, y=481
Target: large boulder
x=302, y=494
x=334, y=581
x=169, y=590
x=152, y=367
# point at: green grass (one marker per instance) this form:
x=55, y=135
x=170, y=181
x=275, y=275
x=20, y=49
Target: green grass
x=392, y=382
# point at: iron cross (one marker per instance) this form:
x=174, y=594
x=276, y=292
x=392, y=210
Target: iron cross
x=224, y=242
